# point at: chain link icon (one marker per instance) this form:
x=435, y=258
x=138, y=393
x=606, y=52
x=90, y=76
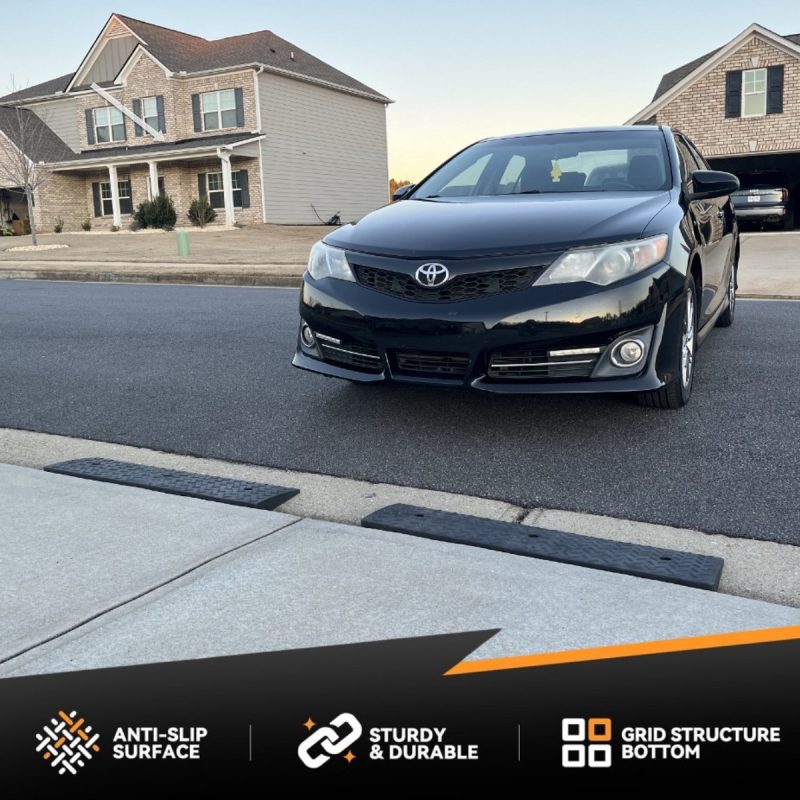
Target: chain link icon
x=330, y=740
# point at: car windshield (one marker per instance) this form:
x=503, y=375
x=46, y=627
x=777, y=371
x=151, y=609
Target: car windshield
x=618, y=161
x=761, y=180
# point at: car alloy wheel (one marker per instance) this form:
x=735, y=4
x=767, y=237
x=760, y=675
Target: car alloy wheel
x=732, y=291
x=688, y=339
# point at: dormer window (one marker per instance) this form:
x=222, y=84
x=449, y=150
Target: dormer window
x=109, y=125
x=754, y=92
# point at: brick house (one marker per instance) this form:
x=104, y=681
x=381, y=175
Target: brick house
x=740, y=104
x=266, y=131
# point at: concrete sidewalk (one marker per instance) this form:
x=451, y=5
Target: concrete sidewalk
x=97, y=575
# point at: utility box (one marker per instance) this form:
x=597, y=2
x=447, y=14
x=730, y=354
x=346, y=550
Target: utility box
x=184, y=245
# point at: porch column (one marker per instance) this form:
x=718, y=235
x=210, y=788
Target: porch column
x=112, y=178
x=227, y=186
x=152, y=183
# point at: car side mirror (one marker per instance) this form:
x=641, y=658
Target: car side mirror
x=708, y=183
x=403, y=191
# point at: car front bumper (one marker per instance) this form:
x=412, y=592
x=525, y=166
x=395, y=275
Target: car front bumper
x=756, y=212
x=506, y=343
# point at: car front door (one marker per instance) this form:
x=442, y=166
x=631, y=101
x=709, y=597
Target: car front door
x=723, y=226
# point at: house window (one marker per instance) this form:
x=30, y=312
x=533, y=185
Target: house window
x=125, y=201
x=150, y=112
x=218, y=109
x=216, y=196
x=754, y=93
x=109, y=125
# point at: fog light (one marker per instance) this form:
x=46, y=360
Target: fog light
x=306, y=335
x=628, y=353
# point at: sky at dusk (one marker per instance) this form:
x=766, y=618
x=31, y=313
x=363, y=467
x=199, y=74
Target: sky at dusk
x=457, y=70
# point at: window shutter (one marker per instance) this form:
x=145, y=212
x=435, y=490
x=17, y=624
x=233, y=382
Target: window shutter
x=244, y=184
x=89, y=126
x=775, y=89
x=239, y=107
x=198, y=122
x=733, y=93
x=201, y=185
x=137, y=109
x=162, y=120
x=98, y=209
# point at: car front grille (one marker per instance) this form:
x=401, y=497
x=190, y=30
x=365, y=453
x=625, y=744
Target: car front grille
x=452, y=366
x=460, y=287
x=531, y=365
x=355, y=356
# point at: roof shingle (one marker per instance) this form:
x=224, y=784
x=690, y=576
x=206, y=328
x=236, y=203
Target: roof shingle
x=30, y=135
x=671, y=79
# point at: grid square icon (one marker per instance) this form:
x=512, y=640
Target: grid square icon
x=599, y=729
x=573, y=755
x=599, y=755
x=573, y=729
x=586, y=742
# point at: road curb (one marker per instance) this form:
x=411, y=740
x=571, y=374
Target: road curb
x=167, y=276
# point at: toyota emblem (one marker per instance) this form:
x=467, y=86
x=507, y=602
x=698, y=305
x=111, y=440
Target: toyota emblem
x=432, y=275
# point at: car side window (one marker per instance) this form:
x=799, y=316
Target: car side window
x=688, y=163
x=702, y=163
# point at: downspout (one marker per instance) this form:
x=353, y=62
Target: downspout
x=261, y=176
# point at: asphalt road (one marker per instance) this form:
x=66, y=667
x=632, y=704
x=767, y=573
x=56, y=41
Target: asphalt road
x=206, y=371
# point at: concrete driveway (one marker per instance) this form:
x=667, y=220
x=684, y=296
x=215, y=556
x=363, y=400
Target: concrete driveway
x=770, y=265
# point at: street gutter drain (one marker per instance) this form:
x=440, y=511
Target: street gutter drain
x=642, y=561
x=170, y=481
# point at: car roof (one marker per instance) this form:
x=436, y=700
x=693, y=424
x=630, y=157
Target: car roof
x=604, y=129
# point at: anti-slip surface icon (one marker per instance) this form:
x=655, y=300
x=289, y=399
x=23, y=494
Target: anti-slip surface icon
x=586, y=742
x=67, y=742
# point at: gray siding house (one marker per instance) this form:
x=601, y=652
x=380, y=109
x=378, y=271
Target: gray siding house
x=266, y=131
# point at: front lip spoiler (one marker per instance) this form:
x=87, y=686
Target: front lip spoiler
x=642, y=383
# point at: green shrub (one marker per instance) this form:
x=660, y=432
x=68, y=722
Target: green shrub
x=200, y=212
x=59, y=226
x=86, y=224
x=156, y=213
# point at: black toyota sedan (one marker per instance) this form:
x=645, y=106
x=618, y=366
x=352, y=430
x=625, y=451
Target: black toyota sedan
x=566, y=261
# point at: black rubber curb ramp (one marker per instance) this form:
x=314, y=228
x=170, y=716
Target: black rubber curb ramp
x=171, y=481
x=672, y=566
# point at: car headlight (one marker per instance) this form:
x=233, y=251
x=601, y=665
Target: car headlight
x=606, y=264
x=328, y=262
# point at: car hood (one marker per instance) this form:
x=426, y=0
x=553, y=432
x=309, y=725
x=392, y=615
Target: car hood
x=507, y=224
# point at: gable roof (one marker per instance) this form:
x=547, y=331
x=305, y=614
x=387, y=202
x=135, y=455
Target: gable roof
x=31, y=136
x=679, y=79
x=669, y=79
x=184, y=52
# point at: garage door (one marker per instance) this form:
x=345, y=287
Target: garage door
x=783, y=167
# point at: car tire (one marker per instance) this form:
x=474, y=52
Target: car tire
x=677, y=392
x=725, y=319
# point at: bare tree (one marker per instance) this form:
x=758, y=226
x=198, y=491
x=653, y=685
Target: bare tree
x=26, y=145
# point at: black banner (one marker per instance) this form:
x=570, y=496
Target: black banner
x=386, y=712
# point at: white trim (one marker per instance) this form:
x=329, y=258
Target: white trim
x=157, y=135
x=95, y=50
x=133, y=59
x=769, y=37
x=143, y=158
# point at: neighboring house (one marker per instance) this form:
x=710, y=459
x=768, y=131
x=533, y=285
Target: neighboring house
x=740, y=104
x=262, y=128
